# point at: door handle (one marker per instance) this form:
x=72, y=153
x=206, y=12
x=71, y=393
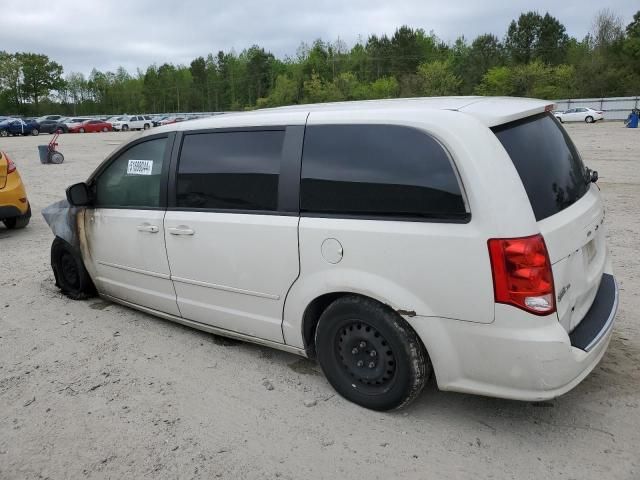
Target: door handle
x=181, y=230
x=145, y=227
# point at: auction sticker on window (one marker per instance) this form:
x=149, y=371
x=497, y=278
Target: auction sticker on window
x=139, y=167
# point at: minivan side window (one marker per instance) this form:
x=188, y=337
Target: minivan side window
x=133, y=179
x=230, y=170
x=386, y=171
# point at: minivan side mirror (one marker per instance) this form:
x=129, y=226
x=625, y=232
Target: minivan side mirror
x=79, y=195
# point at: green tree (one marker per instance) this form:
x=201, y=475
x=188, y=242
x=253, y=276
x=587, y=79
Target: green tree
x=10, y=80
x=40, y=76
x=522, y=37
x=438, y=78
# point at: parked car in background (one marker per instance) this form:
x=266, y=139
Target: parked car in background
x=70, y=121
x=17, y=126
x=114, y=119
x=587, y=115
x=158, y=119
x=90, y=126
x=172, y=119
x=132, y=122
x=56, y=118
x=15, y=211
x=372, y=236
x=51, y=126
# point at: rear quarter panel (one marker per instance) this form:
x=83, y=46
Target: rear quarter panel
x=426, y=268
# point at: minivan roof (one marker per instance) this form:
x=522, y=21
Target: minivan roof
x=491, y=111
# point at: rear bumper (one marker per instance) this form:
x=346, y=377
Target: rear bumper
x=518, y=356
x=10, y=203
x=599, y=319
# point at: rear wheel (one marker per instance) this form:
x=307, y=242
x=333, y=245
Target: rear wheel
x=69, y=271
x=146, y=126
x=35, y=132
x=589, y=119
x=4, y=133
x=18, y=222
x=369, y=354
x=105, y=129
x=81, y=130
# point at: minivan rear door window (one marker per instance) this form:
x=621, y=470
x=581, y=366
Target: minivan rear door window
x=383, y=171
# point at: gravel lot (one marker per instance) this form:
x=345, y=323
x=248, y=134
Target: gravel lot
x=95, y=390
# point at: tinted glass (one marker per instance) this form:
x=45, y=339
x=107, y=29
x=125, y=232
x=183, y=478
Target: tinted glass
x=230, y=170
x=548, y=163
x=378, y=170
x=133, y=179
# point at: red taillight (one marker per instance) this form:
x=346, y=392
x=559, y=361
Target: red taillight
x=11, y=167
x=522, y=274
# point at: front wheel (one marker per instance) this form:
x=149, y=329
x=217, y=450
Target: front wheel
x=81, y=130
x=589, y=119
x=105, y=129
x=146, y=126
x=4, y=133
x=69, y=271
x=370, y=354
x=125, y=128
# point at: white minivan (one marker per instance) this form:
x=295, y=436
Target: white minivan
x=388, y=239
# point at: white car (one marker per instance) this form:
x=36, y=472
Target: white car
x=133, y=122
x=69, y=122
x=587, y=115
x=388, y=239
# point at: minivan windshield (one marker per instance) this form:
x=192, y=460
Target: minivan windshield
x=547, y=161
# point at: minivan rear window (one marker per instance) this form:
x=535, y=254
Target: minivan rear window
x=547, y=161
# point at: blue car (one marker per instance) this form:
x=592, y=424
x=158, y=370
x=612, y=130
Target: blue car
x=17, y=126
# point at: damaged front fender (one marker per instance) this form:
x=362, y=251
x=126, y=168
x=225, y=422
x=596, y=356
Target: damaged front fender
x=63, y=220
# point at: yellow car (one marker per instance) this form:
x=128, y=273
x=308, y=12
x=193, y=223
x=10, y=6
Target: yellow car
x=15, y=211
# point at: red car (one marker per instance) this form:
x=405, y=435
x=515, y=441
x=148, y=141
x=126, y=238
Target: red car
x=90, y=126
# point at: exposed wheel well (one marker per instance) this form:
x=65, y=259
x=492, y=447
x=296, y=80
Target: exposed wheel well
x=312, y=315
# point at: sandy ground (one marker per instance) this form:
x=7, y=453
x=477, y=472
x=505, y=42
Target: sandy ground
x=92, y=389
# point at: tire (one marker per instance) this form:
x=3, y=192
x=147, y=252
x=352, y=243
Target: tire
x=589, y=119
x=146, y=126
x=125, y=128
x=69, y=271
x=35, y=132
x=105, y=129
x=56, y=158
x=18, y=222
x=59, y=130
x=81, y=130
x=370, y=354
x=4, y=133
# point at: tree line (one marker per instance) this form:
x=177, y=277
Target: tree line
x=536, y=58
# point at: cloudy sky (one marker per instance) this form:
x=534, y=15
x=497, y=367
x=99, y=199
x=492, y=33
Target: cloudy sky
x=85, y=34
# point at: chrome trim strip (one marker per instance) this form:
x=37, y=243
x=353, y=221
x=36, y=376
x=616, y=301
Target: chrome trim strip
x=609, y=323
x=136, y=270
x=225, y=288
x=208, y=328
